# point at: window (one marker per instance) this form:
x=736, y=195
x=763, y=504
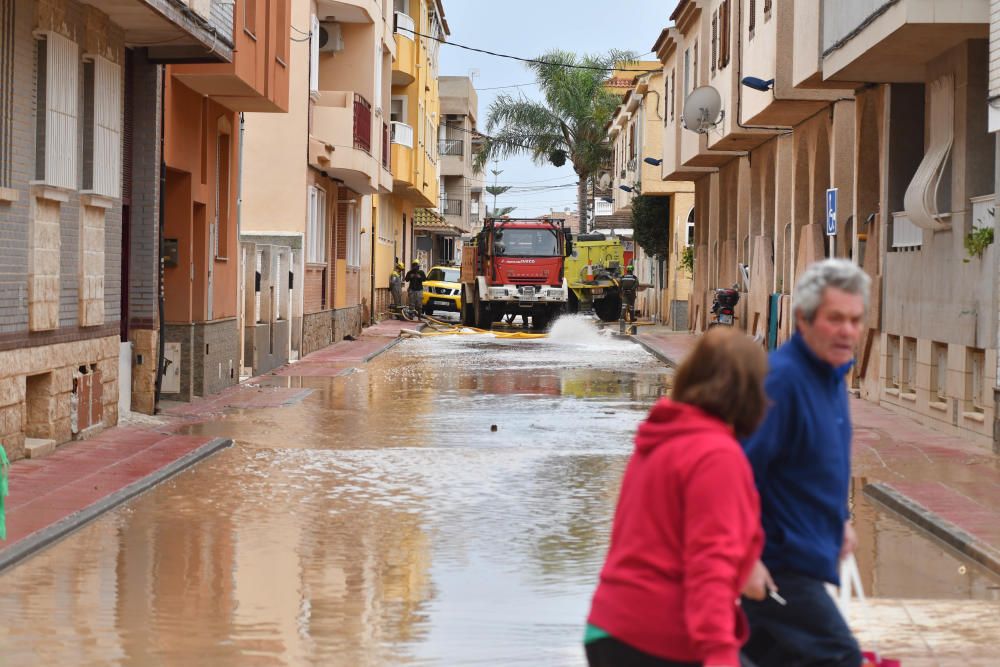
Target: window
x=908, y=377
x=397, y=109
x=378, y=75
x=724, y=29
x=892, y=361
x=384, y=223
x=223, y=177
x=690, y=228
x=974, y=400
x=687, y=72
x=752, y=18
x=316, y=243
x=694, y=65
x=673, y=92
x=767, y=9
x=57, y=88
x=715, y=38
x=353, y=238
x=526, y=243
x=401, y=6
x=939, y=374
x=444, y=275
x=314, y=55
x=102, y=127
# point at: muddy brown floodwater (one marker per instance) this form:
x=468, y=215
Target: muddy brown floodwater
x=381, y=521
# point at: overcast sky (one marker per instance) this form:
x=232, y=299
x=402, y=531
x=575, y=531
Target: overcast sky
x=528, y=28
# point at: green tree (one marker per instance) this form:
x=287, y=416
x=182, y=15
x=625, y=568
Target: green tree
x=649, y=224
x=569, y=124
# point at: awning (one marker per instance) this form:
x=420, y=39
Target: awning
x=426, y=220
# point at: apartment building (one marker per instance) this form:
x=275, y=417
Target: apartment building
x=635, y=133
x=851, y=129
x=311, y=184
x=461, y=184
x=80, y=165
x=408, y=218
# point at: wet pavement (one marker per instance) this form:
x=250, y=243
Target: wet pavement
x=447, y=503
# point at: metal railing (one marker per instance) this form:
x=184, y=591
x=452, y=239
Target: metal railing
x=401, y=134
x=386, y=153
x=451, y=147
x=451, y=206
x=362, y=124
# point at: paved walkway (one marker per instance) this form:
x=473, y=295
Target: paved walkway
x=937, y=480
x=55, y=495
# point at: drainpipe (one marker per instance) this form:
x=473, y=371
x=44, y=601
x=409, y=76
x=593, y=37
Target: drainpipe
x=241, y=279
x=160, y=362
x=371, y=232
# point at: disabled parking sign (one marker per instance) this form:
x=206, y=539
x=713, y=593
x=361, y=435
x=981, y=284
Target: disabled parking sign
x=831, y=212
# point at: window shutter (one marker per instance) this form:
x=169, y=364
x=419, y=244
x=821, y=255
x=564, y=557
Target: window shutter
x=107, y=128
x=715, y=39
x=62, y=89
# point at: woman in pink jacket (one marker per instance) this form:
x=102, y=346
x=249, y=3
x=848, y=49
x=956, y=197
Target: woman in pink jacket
x=686, y=534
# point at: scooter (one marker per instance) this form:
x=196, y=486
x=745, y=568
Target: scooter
x=724, y=307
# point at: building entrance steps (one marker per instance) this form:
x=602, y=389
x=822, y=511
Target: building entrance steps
x=939, y=482
x=53, y=496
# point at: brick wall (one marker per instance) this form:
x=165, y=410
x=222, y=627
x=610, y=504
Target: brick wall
x=313, y=294
x=27, y=274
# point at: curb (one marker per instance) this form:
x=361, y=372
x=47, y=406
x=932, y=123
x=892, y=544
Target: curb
x=655, y=352
x=60, y=529
x=955, y=537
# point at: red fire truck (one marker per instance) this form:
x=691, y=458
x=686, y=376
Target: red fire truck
x=515, y=267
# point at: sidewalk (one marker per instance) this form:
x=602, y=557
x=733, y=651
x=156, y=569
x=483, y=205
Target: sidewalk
x=936, y=480
x=53, y=496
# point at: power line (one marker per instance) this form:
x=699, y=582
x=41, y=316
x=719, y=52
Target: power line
x=524, y=60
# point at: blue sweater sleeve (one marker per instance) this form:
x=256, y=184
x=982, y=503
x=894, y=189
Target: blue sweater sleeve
x=778, y=429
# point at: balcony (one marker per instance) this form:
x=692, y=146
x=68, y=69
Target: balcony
x=362, y=124
x=451, y=147
x=386, y=153
x=868, y=41
x=337, y=115
x=404, y=68
x=401, y=134
x=451, y=207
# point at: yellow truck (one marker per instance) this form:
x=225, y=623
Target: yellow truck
x=592, y=272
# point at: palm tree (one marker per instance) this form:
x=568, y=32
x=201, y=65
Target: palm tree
x=568, y=125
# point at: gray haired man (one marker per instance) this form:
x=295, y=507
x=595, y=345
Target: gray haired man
x=801, y=459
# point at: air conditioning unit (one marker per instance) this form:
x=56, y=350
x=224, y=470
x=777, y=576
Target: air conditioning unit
x=331, y=39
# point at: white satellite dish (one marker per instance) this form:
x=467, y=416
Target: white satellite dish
x=702, y=109
x=604, y=181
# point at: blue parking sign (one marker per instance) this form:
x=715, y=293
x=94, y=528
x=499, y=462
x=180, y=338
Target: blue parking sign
x=831, y=212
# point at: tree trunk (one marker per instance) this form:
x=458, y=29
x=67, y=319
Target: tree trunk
x=581, y=204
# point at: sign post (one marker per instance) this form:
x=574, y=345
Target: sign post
x=831, y=218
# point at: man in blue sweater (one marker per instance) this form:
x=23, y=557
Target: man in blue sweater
x=801, y=459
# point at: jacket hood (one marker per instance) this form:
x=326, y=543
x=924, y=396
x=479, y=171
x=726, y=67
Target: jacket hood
x=669, y=419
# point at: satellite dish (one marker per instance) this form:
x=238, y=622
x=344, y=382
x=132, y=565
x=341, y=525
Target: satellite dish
x=604, y=181
x=702, y=109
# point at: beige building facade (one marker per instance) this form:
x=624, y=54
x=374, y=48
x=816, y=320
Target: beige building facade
x=635, y=133
x=461, y=184
x=883, y=103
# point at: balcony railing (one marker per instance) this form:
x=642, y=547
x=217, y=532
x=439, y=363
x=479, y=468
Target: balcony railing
x=362, y=124
x=451, y=206
x=451, y=147
x=401, y=134
x=385, y=145
x=905, y=234
x=405, y=21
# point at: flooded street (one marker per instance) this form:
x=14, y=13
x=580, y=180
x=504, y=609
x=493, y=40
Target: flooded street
x=446, y=504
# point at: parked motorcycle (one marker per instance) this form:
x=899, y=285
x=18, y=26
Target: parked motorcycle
x=724, y=307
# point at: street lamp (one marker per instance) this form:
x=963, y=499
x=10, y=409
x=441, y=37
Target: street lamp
x=608, y=200
x=758, y=84
x=653, y=161
x=626, y=188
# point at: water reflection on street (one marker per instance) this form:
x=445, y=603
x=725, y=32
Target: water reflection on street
x=447, y=504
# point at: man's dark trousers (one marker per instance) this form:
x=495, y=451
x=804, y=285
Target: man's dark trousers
x=807, y=632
